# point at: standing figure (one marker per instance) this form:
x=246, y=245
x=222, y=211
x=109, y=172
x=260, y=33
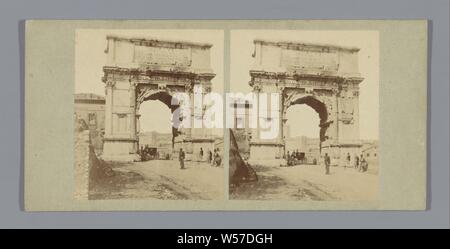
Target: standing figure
x=364, y=164
x=201, y=154
x=209, y=156
x=356, y=162
x=141, y=153
x=217, y=158
x=361, y=162
x=181, y=158
x=348, y=159
x=327, y=164
x=213, y=157
x=288, y=158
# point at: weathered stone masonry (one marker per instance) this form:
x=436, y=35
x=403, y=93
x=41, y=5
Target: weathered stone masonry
x=325, y=77
x=141, y=69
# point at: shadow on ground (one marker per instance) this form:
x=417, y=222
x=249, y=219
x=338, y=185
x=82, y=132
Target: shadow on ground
x=108, y=182
x=273, y=185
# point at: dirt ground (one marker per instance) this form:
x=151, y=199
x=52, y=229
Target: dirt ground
x=162, y=180
x=308, y=182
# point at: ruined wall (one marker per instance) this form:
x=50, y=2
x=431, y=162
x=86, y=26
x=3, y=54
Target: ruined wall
x=88, y=168
x=82, y=161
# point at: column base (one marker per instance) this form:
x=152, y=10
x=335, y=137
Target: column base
x=267, y=153
x=121, y=158
x=120, y=150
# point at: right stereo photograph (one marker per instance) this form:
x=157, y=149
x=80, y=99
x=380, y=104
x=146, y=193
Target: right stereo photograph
x=306, y=115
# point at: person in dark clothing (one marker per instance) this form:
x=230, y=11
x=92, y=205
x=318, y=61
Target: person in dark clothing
x=201, y=154
x=141, y=153
x=209, y=156
x=356, y=162
x=364, y=164
x=347, y=162
x=217, y=158
x=288, y=158
x=361, y=162
x=181, y=158
x=327, y=164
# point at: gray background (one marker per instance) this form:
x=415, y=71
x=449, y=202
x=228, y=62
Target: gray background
x=12, y=15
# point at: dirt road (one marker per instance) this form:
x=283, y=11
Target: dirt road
x=164, y=180
x=308, y=182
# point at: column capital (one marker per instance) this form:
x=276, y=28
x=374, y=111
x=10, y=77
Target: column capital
x=336, y=91
x=257, y=87
x=133, y=84
x=110, y=83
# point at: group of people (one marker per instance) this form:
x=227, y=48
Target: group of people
x=295, y=158
x=359, y=163
x=213, y=158
x=216, y=160
x=147, y=153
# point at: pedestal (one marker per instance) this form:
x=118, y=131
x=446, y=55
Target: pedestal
x=119, y=149
x=267, y=153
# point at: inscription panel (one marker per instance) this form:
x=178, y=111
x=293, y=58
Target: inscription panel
x=309, y=59
x=162, y=56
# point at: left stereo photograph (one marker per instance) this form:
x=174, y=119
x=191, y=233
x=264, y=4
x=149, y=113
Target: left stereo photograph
x=131, y=138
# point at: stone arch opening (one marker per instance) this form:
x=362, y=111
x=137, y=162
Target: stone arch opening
x=162, y=96
x=320, y=108
x=307, y=144
x=159, y=133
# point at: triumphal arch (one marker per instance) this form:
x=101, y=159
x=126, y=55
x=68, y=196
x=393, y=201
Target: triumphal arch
x=324, y=77
x=141, y=69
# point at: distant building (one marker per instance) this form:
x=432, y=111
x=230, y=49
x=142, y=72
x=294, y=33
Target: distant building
x=162, y=142
x=369, y=149
x=89, y=110
x=309, y=146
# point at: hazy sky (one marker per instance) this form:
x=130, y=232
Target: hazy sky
x=90, y=59
x=306, y=121
x=310, y=128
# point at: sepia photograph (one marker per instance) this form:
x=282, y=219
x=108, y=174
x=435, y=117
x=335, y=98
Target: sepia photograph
x=225, y=115
x=134, y=136
x=306, y=125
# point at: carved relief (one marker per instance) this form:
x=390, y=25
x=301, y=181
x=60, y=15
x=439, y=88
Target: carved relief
x=288, y=98
x=309, y=90
x=162, y=87
x=146, y=92
x=188, y=87
x=347, y=108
